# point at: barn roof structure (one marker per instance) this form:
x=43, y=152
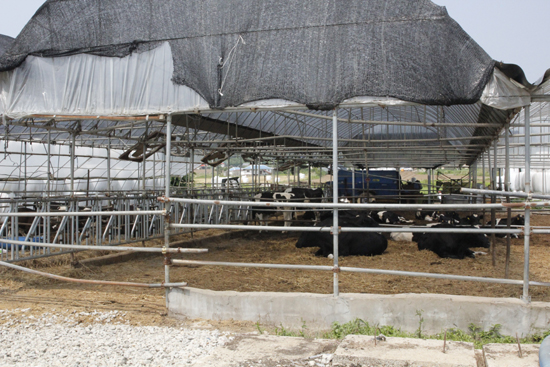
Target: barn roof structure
x=260, y=78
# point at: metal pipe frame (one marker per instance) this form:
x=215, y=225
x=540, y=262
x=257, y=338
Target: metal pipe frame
x=526, y=239
x=449, y=207
x=83, y=214
x=360, y=270
x=335, y=233
x=109, y=248
x=504, y=193
x=97, y=282
x=351, y=229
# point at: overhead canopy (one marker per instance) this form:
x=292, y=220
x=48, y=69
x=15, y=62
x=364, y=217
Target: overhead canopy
x=317, y=53
x=5, y=43
x=406, y=78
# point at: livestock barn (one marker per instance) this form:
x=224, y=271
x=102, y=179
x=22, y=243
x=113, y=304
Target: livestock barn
x=100, y=112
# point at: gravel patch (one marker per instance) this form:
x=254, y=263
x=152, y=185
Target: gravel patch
x=98, y=339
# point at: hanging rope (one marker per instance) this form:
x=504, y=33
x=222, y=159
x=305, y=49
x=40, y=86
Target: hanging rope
x=229, y=59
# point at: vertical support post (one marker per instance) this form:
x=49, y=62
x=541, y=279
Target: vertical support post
x=309, y=175
x=73, y=138
x=277, y=176
x=192, y=171
x=49, y=163
x=212, y=184
x=493, y=211
x=484, y=186
x=25, y=175
x=507, y=188
x=144, y=166
x=353, y=182
x=429, y=186
x=335, y=226
x=109, y=166
x=167, y=260
x=527, y=234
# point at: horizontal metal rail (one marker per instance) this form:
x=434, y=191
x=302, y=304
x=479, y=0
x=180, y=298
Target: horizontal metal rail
x=360, y=270
x=505, y=193
x=82, y=214
x=351, y=229
x=449, y=207
x=87, y=281
x=108, y=248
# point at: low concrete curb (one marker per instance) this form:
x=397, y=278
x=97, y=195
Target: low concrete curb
x=320, y=311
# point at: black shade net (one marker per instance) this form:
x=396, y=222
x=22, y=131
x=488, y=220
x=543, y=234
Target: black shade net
x=317, y=52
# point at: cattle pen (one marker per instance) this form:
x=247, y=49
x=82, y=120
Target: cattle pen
x=162, y=124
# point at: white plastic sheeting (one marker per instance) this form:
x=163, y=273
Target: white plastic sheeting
x=139, y=84
x=540, y=180
x=504, y=93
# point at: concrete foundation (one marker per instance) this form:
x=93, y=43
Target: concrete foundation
x=319, y=311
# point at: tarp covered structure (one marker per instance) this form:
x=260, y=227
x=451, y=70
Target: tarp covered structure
x=256, y=77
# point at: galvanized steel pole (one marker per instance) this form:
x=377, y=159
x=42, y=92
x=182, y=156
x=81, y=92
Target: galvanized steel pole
x=507, y=188
x=109, y=166
x=167, y=260
x=335, y=227
x=527, y=112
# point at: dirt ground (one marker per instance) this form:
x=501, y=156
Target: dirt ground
x=20, y=290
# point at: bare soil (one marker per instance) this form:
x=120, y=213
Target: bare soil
x=20, y=290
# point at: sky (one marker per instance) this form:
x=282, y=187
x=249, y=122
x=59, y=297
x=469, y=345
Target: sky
x=511, y=31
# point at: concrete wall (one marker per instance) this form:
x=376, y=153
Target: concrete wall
x=319, y=311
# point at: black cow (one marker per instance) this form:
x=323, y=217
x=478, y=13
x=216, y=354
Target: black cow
x=450, y=245
x=387, y=217
x=518, y=220
x=349, y=243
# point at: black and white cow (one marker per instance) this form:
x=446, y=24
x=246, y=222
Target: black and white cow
x=262, y=213
x=450, y=245
x=428, y=215
x=500, y=223
x=306, y=195
x=349, y=243
x=450, y=218
x=473, y=220
x=387, y=217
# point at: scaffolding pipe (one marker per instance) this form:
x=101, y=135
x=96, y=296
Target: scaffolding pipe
x=335, y=226
x=351, y=229
x=360, y=270
x=109, y=166
x=527, y=112
x=108, y=248
x=167, y=260
x=87, y=281
x=506, y=193
x=83, y=214
x=449, y=207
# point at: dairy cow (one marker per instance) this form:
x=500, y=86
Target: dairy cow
x=450, y=245
x=349, y=243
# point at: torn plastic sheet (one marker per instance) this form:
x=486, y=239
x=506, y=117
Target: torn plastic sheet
x=504, y=93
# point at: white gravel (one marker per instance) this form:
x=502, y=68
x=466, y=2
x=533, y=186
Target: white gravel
x=59, y=340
